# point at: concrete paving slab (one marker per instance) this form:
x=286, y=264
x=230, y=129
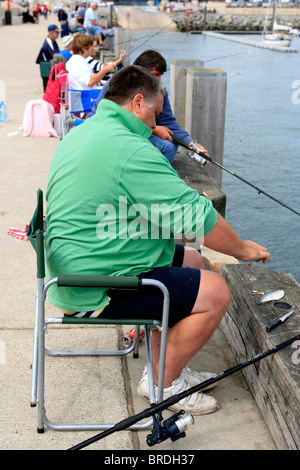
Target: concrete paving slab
x=78, y=390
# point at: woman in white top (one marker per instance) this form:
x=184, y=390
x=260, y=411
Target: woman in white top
x=80, y=73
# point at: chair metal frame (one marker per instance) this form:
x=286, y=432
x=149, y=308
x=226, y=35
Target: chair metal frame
x=36, y=236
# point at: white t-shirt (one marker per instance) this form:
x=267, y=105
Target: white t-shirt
x=90, y=15
x=79, y=73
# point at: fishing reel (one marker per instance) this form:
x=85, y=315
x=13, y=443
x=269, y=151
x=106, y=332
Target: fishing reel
x=196, y=154
x=173, y=428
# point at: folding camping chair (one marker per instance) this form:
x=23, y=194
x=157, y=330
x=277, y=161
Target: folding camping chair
x=35, y=234
x=77, y=105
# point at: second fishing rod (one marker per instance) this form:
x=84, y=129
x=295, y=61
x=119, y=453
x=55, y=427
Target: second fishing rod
x=160, y=430
x=202, y=155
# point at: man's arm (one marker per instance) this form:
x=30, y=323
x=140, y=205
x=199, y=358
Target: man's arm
x=168, y=120
x=95, y=23
x=224, y=239
x=94, y=79
x=166, y=124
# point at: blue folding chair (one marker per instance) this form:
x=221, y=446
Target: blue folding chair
x=82, y=101
x=78, y=104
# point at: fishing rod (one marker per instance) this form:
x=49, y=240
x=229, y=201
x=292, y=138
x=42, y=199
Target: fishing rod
x=202, y=155
x=172, y=427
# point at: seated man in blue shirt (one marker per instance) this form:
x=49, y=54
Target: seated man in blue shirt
x=166, y=123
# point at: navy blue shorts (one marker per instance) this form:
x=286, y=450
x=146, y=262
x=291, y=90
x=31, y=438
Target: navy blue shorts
x=182, y=283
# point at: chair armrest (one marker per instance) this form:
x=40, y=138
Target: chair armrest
x=113, y=282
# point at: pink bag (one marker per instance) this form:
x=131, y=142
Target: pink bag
x=38, y=119
x=57, y=79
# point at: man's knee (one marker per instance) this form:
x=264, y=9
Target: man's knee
x=220, y=294
x=213, y=295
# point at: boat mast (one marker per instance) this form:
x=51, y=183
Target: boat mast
x=267, y=18
x=274, y=15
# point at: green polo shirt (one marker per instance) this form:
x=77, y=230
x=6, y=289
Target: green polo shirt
x=114, y=205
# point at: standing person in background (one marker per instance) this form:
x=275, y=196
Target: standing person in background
x=45, y=12
x=36, y=13
x=80, y=14
x=62, y=17
x=50, y=46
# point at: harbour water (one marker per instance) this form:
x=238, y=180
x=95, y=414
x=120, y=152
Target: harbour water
x=262, y=135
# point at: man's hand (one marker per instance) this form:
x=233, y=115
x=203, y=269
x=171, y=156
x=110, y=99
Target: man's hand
x=122, y=54
x=162, y=132
x=254, y=252
x=107, y=68
x=200, y=147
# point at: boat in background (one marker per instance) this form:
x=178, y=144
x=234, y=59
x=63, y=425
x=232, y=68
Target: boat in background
x=281, y=35
x=295, y=32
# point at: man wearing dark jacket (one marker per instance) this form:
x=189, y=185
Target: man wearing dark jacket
x=50, y=46
x=166, y=123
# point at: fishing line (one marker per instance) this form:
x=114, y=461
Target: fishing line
x=225, y=56
x=136, y=40
x=148, y=39
x=203, y=155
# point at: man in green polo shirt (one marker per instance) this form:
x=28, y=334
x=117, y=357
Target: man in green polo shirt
x=114, y=206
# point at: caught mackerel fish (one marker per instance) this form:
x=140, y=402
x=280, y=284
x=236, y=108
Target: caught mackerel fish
x=276, y=295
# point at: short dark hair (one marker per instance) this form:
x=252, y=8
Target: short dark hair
x=131, y=80
x=150, y=59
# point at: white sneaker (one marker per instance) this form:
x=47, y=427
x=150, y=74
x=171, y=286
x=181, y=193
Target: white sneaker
x=194, y=378
x=197, y=403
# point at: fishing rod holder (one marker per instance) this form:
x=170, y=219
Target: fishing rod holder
x=173, y=428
